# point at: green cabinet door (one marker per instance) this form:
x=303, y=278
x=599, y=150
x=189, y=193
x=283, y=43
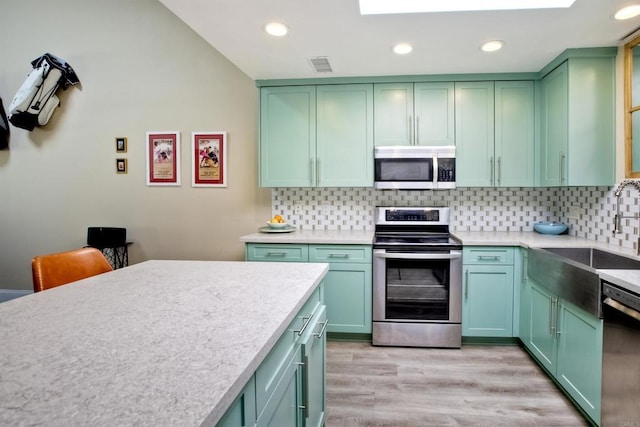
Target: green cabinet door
x=348, y=298
x=577, y=141
x=344, y=136
x=524, y=299
x=282, y=409
x=313, y=372
x=393, y=114
x=474, y=111
x=579, y=368
x=434, y=113
x=287, y=136
x=242, y=412
x=554, y=123
x=487, y=303
x=514, y=134
x=542, y=341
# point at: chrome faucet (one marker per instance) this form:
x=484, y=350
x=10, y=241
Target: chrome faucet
x=617, y=226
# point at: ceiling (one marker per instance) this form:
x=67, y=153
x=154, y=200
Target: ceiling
x=357, y=45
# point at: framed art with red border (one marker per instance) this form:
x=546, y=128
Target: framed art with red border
x=163, y=158
x=209, y=159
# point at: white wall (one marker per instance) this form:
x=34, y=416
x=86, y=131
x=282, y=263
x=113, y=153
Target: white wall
x=141, y=69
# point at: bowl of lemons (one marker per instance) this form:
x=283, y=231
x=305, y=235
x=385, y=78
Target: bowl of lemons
x=277, y=222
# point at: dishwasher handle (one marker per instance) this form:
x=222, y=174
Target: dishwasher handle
x=622, y=308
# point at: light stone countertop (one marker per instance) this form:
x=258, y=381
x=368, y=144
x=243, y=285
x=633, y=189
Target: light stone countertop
x=627, y=279
x=342, y=237
x=161, y=343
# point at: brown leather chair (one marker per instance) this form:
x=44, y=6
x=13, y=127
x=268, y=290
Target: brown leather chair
x=61, y=268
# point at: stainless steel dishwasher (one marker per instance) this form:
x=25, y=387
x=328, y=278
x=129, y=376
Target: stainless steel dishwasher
x=621, y=357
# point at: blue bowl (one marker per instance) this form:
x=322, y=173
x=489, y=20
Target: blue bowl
x=550, y=227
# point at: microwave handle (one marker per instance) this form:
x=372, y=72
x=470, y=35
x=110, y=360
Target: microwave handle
x=381, y=253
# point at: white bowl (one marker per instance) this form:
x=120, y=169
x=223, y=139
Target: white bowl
x=277, y=224
x=550, y=227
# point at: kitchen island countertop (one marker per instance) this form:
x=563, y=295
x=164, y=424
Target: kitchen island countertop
x=160, y=343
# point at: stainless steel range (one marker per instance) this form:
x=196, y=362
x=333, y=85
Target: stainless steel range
x=417, y=279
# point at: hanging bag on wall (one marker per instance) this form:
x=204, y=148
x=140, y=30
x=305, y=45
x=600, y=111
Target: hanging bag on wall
x=4, y=128
x=35, y=101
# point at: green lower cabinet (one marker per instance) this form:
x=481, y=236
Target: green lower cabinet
x=487, y=302
x=242, y=412
x=282, y=409
x=488, y=291
x=567, y=342
x=348, y=298
x=313, y=350
x=347, y=285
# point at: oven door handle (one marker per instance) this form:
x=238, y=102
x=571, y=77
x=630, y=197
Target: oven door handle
x=381, y=253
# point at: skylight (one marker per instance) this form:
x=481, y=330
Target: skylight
x=373, y=7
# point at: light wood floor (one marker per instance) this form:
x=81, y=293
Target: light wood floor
x=475, y=386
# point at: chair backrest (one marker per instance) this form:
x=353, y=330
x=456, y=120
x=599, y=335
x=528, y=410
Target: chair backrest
x=61, y=268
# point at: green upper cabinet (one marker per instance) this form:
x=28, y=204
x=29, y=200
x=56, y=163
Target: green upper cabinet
x=287, y=136
x=474, y=134
x=577, y=141
x=495, y=134
x=344, y=136
x=414, y=113
x=514, y=134
x=316, y=136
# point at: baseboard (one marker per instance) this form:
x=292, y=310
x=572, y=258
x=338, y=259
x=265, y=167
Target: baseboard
x=7, y=294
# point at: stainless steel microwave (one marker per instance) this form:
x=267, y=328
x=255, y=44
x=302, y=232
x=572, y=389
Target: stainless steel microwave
x=415, y=167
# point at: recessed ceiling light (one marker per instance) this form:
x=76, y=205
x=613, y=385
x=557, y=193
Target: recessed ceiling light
x=371, y=7
x=628, y=12
x=276, y=29
x=492, y=46
x=402, y=48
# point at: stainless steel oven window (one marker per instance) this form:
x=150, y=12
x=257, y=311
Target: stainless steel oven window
x=417, y=287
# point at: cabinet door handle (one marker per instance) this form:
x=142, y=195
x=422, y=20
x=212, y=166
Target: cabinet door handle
x=499, y=170
x=562, y=157
x=281, y=254
x=307, y=320
x=525, y=260
x=551, y=317
x=318, y=172
x=332, y=255
x=305, y=387
x=491, y=170
x=488, y=257
x=466, y=284
x=312, y=172
x=554, y=316
x=411, y=142
x=322, y=331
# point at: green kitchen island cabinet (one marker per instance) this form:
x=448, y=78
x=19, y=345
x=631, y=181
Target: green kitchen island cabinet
x=316, y=136
x=347, y=286
x=567, y=342
x=495, y=134
x=577, y=141
x=414, y=113
x=488, y=292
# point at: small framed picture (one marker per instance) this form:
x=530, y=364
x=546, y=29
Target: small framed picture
x=209, y=159
x=121, y=165
x=121, y=145
x=163, y=158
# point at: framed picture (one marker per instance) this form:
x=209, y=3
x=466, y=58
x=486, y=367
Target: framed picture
x=121, y=145
x=121, y=165
x=163, y=158
x=209, y=159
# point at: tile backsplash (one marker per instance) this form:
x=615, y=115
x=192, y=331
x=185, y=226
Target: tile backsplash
x=589, y=211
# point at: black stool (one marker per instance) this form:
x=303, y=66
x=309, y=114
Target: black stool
x=112, y=241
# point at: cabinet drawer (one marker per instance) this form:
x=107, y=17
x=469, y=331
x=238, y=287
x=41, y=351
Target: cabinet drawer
x=488, y=255
x=339, y=253
x=274, y=366
x=277, y=252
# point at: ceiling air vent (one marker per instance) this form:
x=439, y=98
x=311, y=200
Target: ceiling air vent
x=320, y=64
